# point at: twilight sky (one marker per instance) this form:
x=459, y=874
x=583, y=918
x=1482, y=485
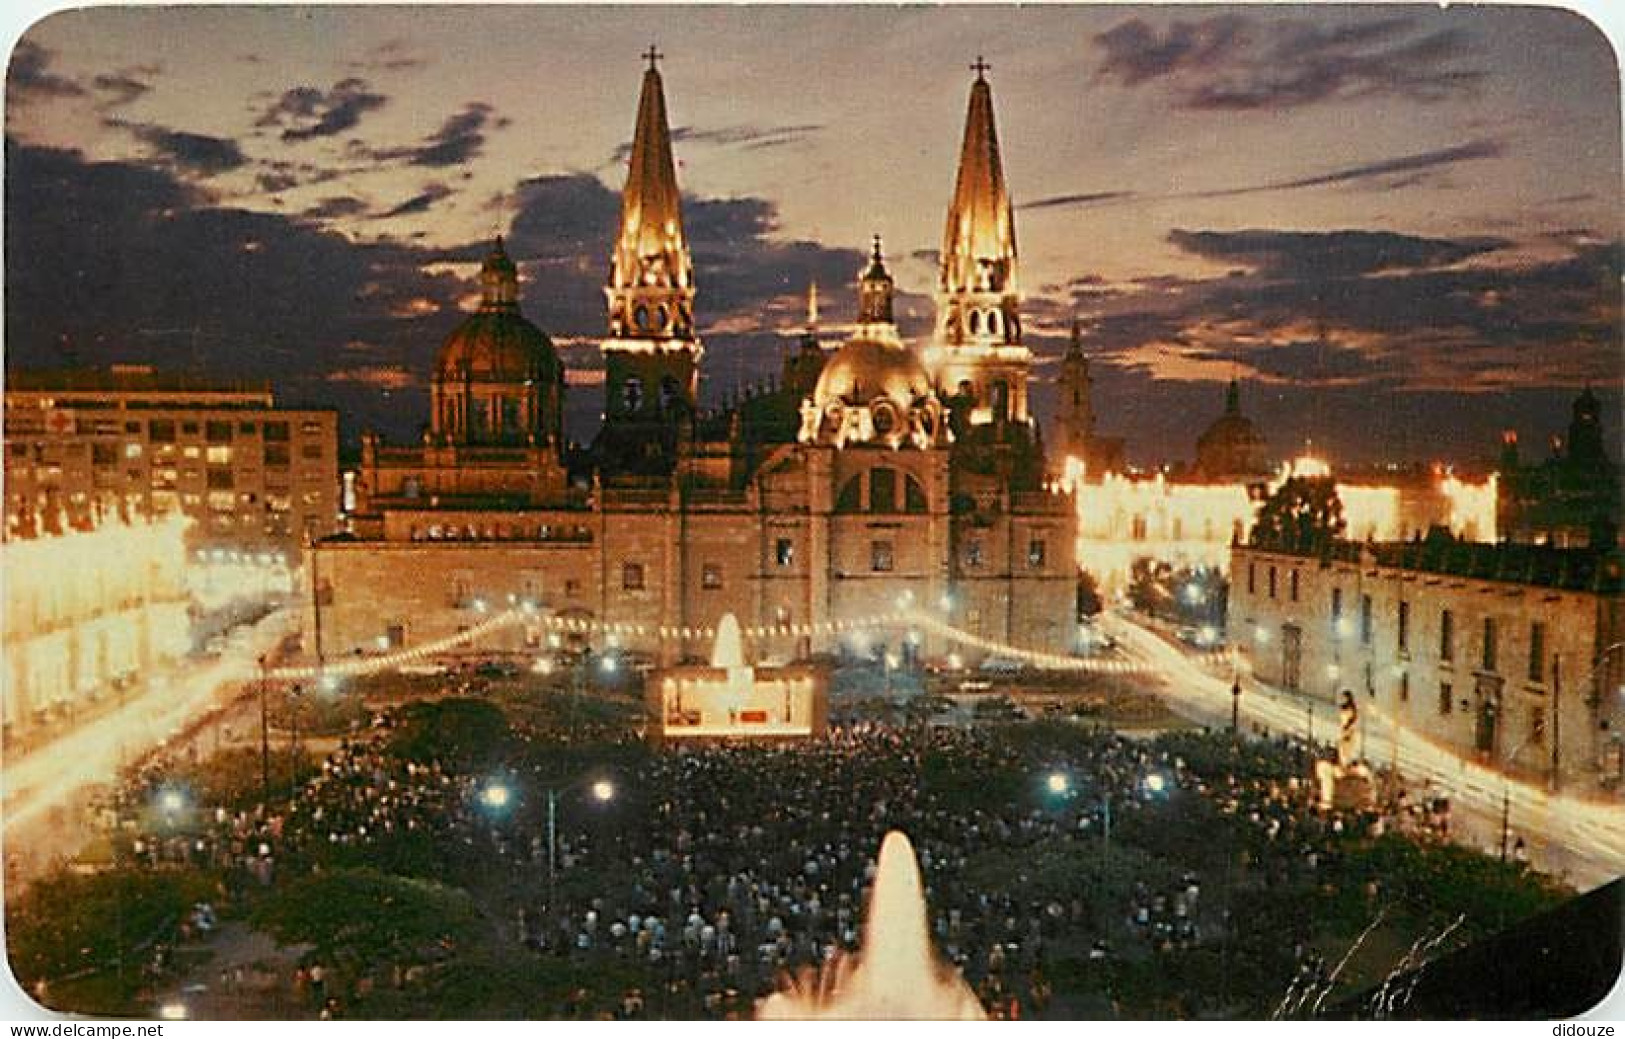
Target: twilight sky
x=1400, y=226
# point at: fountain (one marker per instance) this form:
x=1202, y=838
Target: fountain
x=896, y=975
x=732, y=699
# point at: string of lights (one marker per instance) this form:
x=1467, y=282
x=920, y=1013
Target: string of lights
x=914, y=619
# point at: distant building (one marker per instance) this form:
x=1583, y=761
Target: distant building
x=1075, y=436
x=1231, y=450
x=1508, y=652
x=251, y=475
x=1571, y=498
x=877, y=475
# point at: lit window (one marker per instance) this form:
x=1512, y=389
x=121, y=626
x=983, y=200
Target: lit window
x=711, y=576
x=1036, y=551
x=785, y=552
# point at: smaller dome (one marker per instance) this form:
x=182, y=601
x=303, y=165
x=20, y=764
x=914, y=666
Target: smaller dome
x=497, y=344
x=865, y=369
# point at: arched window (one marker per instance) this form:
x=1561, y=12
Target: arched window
x=883, y=490
x=670, y=393
x=640, y=318
x=850, y=499
x=913, y=495
x=632, y=394
x=993, y=322
x=662, y=317
x=976, y=322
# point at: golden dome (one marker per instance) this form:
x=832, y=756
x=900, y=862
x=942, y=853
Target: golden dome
x=865, y=369
x=497, y=347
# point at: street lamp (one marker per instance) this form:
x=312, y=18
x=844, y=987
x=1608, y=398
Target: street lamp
x=496, y=795
x=602, y=790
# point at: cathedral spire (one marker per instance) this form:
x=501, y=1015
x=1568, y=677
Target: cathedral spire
x=1074, y=346
x=977, y=350
x=979, y=244
x=651, y=281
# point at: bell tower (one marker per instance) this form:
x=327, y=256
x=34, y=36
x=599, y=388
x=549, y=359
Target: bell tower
x=977, y=350
x=652, y=355
x=1075, y=414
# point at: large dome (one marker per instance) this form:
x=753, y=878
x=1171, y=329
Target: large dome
x=865, y=369
x=497, y=346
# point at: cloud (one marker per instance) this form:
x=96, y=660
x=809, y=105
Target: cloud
x=1470, y=151
x=306, y=113
x=419, y=203
x=460, y=138
x=1388, y=173
x=750, y=137
x=194, y=153
x=29, y=77
x=1388, y=311
x=1233, y=63
x=1081, y=199
x=335, y=207
x=395, y=55
x=1136, y=52
x=123, y=87
x=1330, y=254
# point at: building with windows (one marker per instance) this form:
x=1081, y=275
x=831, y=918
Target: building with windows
x=89, y=612
x=1509, y=652
x=880, y=474
x=249, y=474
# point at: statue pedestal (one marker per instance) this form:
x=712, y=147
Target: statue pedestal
x=1350, y=787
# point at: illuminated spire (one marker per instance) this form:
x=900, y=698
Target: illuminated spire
x=651, y=280
x=979, y=243
x=977, y=352
x=812, y=307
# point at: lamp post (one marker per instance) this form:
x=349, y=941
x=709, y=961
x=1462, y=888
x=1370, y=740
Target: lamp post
x=603, y=791
x=1506, y=792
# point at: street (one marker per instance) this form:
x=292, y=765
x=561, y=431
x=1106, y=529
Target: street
x=45, y=789
x=1580, y=839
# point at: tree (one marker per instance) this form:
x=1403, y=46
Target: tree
x=462, y=732
x=363, y=918
x=1303, y=515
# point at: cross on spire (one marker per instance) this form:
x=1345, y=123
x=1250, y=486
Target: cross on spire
x=980, y=66
x=652, y=55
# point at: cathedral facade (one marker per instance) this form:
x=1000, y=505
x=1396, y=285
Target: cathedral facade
x=879, y=475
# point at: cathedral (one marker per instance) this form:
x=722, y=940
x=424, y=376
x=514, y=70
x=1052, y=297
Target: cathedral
x=878, y=474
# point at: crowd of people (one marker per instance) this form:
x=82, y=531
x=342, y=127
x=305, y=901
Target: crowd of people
x=719, y=870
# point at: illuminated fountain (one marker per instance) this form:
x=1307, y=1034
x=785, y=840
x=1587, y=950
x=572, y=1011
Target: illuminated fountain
x=730, y=699
x=896, y=975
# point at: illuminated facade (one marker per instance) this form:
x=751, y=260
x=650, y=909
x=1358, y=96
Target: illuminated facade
x=249, y=474
x=1506, y=652
x=88, y=612
x=869, y=481
x=1124, y=518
